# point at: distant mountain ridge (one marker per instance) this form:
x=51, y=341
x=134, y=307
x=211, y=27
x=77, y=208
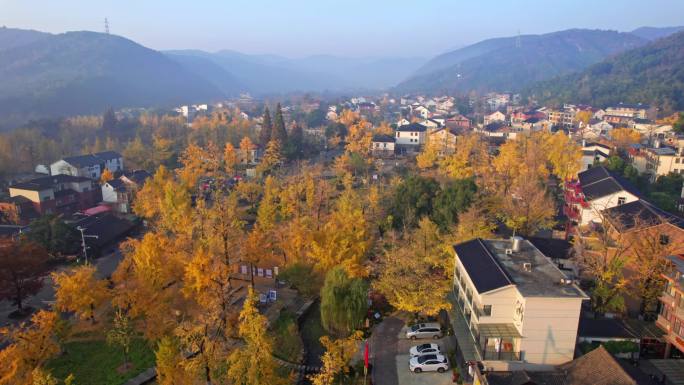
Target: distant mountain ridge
x=511, y=63
x=271, y=74
x=86, y=72
x=655, y=33
x=652, y=74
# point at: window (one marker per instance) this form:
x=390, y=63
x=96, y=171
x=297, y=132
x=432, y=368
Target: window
x=664, y=239
x=621, y=200
x=487, y=310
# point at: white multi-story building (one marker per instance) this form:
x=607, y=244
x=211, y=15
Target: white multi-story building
x=596, y=189
x=89, y=165
x=520, y=311
x=411, y=135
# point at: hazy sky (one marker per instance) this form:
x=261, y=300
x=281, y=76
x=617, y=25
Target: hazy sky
x=345, y=28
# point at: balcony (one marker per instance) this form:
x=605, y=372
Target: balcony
x=663, y=323
x=501, y=356
x=667, y=299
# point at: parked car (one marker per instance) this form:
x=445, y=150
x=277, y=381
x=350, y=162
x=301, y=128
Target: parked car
x=429, y=363
x=423, y=349
x=424, y=330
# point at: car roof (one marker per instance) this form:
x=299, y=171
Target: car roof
x=430, y=324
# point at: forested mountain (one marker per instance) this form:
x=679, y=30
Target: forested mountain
x=512, y=63
x=655, y=33
x=650, y=74
x=266, y=74
x=86, y=72
x=14, y=37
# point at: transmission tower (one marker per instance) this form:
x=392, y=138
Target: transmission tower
x=518, y=41
x=106, y=26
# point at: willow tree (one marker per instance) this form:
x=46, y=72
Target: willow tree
x=344, y=301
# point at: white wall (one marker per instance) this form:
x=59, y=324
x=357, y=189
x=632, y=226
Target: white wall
x=550, y=330
x=597, y=205
x=108, y=193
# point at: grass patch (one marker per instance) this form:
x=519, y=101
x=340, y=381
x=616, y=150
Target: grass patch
x=95, y=362
x=287, y=344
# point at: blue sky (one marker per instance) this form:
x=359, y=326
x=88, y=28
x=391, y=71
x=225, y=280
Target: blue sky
x=344, y=28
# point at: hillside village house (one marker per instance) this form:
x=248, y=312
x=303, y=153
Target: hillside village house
x=640, y=111
x=444, y=139
x=657, y=161
x=410, y=136
x=514, y=309
x=382, y=145
x=119, y=193
x=496, y=116
x=642, y=220
x=595, y=190
x=671, y=317
x=89, y=165
x=458, y=121
x=58, y=194
x=593, y=153
x=564, y=118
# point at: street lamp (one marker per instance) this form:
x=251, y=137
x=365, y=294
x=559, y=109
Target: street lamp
x=83, y=243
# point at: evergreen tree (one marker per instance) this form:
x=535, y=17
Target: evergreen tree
x=266, y=128
x=279, y=132
x=295, y=143
x=109, y=120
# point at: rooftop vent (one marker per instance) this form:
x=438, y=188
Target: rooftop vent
x=509, y=251
x=527, y=266
x=516, y=243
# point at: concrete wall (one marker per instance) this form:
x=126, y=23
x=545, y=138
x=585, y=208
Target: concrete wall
x=550, y=330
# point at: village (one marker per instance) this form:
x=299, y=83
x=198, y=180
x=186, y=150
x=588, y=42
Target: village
x=531, y=242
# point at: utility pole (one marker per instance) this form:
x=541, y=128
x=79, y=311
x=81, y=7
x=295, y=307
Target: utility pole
x=83, y=243
x=106, y=26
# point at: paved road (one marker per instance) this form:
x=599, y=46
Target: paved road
x=105, y=267
x=384, y=350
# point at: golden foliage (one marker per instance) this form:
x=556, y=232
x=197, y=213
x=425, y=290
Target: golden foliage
x=80, y=291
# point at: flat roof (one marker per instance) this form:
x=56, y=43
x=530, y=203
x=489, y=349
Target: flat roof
x=542, y=280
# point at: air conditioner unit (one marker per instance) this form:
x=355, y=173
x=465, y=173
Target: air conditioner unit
x=527, y=266
x=509, y=251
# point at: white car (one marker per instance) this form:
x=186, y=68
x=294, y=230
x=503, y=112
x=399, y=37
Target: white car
x=429, y=363
x=423, y=349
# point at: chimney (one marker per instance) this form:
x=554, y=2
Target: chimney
x=516, y=243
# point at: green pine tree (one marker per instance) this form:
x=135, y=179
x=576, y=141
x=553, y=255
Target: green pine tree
x=279, y=132
x=266, y=128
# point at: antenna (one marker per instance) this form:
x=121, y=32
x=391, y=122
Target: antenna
x=106, y=26
x=518, y=41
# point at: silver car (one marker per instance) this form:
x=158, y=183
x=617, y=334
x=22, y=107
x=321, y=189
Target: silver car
x=424, y=330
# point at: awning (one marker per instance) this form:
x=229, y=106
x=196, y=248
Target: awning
x=498, y=331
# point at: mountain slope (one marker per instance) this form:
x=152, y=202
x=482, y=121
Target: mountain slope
x=650, y=74
x=504, y=64
x=211, y=72
x=14, y=37
x=85, y=72
x=265, y=74
x=655, y=33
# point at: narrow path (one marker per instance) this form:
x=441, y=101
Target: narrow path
x=384, y=350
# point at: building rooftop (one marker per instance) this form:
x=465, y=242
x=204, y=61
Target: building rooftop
x=413, y=127
x=47, y=182
x=543, y=278
x=491, y=265
x=92, y=159
x=639, y=214
x=382, y=138
x=598, y=182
